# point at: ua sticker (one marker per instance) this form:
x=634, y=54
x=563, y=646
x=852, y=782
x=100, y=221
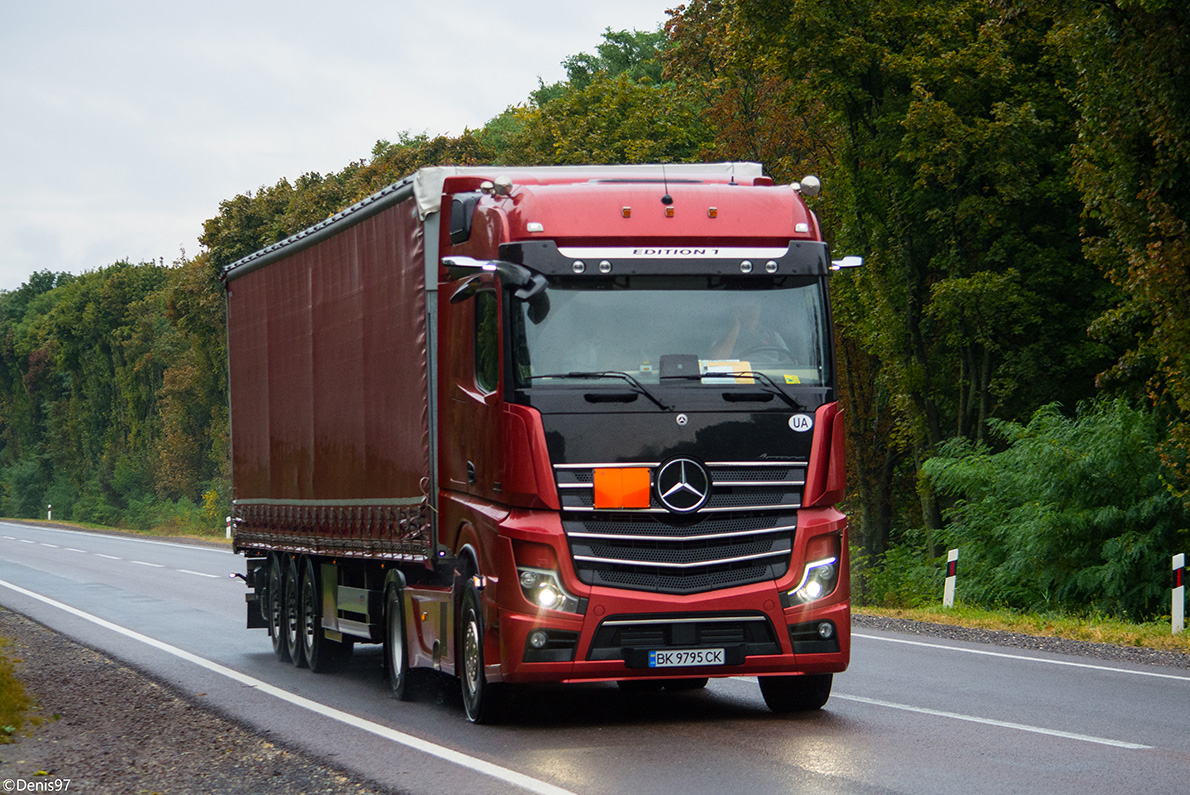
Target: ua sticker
x=801, y=422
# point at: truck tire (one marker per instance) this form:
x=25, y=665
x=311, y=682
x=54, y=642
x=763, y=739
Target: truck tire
x=481, y=698
x=804, y=693
x=291, y=613
x=396, y=649
x=322, y=654
x=275, y=608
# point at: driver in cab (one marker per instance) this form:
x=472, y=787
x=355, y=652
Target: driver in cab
x=747, y=333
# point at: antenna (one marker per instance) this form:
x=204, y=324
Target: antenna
x=666, y=199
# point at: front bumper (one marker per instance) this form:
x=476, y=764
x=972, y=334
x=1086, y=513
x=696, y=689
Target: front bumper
x=616, y=636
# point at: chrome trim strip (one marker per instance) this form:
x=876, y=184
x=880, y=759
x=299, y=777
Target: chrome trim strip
x=660, y=565
x=606, y=466
x=757, y=483
x=702, y=537
x=663, y=512
x=640, y=464
x=623, y=622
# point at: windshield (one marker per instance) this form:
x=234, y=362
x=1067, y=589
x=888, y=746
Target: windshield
x=673, y=330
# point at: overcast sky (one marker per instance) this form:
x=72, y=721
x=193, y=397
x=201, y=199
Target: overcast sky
x=123, y=125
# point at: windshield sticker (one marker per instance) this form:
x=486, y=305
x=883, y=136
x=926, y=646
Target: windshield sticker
x=709, y=368
x=792, y=379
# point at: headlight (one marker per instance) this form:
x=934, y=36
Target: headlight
x=818, y=580
x=543, y=588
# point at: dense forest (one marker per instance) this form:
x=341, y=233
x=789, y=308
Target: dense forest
x=1014, y=356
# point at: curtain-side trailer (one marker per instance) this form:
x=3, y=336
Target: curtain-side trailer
x=547, y=424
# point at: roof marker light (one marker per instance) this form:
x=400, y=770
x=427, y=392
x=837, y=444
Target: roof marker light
x=626, y=212
x=534, y=226
x=669, y=212
x=712, y=212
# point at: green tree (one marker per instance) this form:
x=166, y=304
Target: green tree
x=611, y=120
x=952, y=178
x=635, y=54
x=1131, y=87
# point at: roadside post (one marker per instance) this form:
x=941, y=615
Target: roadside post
x=49, y=512
x=229, y=527
x=952, y=562
x=1178, y=609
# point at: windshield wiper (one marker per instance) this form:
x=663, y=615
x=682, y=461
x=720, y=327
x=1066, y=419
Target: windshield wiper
x=759, y=376
x=771, y=384
x=608, y=374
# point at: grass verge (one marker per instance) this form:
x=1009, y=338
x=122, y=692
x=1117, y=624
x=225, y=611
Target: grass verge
x=14, y=700
x=1095, y=629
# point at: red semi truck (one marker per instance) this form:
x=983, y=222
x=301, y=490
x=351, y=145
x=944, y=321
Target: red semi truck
x=548, y=424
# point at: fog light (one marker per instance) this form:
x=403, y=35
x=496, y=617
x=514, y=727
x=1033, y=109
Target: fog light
x=538, y=638
x=529, y=578
x=826, y=630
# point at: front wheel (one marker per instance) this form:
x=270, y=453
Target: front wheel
x=396, y=652
x=802, y=693
x=480, y=697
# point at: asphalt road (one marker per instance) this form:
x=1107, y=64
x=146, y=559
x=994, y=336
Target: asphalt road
x=911, y=715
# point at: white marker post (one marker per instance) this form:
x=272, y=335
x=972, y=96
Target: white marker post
x=952, y=562
x=229, y=527
x=1178, y=609
x=49, y=513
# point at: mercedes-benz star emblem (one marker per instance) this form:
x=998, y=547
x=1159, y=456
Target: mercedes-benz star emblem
x=683, y=485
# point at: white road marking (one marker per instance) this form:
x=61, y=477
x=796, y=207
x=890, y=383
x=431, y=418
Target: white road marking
x=1086, y=738
x=133, y=539
x=198, y=573
x=26, y=541
x=109, y=557
x=51, y=546
x=416, y=743
x=143, y=563
x=1005, y=655
x=72, y=549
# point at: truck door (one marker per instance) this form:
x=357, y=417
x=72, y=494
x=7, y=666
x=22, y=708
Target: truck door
x=472, y=403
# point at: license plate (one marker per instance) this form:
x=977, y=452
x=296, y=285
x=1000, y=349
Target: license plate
x=678, y=658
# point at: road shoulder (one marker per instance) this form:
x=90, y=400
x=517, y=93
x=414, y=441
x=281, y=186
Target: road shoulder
x=110, y=728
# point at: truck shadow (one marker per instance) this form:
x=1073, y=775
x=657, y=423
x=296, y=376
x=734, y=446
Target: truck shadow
x=606, y=704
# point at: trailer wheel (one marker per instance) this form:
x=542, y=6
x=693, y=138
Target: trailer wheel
x=322, y=654
x=396, y=651
x=276, y=608
x=803, y=693
x=292, y=613
x=480, y=697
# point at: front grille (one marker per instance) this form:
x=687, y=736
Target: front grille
x=743, y=535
